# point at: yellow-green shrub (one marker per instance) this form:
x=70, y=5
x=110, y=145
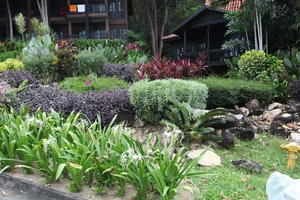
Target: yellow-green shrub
x=11, y=64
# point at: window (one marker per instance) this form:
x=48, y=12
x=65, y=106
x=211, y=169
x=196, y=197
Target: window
x=122, y=33
x=117, y=9
x=113, y=33
x=112, y=7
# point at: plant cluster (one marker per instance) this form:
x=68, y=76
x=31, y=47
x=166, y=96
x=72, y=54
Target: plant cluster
x=90, y=61
x=123, y=71
x=16, y=78
x=11, y=64
x=47, y=97
x=85, y=84
x=82, y=43
x=193, y=123
x=9, y=54
x=257, y=65
x=7, y=93
x=11, y=45
x=150, y=99
x=229, y=92
x=58, y=147
x=163, y=68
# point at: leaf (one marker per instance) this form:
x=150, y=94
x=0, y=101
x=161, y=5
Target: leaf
x=74, y=165
x=60, y=170
x=287, y=62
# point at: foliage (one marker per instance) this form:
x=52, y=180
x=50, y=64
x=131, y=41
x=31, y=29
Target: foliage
x=123, y=71
x=292, y=64
x=82, y=43
x=57, y=147
x=11, y=64
x=294, y=89
x=12, y=45
x=90, y=61
x=66, y=54
x=163, y=68
x=151, y=98
x=229, y=92
x=9, y=54
x=39, y=28
x=90, y=104
x=84, y=84
x=257, y=65
x=194, y=124
x=233, y=67
x=40, y=59
x=16, y=78
x=7, y=93
x=21, y=24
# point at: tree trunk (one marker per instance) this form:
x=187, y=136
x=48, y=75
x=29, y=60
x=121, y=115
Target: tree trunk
x=43, y=8
x=165, y=20
x=11, y=28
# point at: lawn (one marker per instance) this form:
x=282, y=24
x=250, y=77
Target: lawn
x=228, y=183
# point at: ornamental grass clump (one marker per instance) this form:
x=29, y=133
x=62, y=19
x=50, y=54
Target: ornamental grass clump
x=150, y=99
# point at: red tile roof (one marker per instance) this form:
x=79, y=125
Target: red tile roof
x=233, y=5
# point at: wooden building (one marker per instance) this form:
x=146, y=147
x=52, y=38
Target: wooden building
x=203, y=34
x=75, y=18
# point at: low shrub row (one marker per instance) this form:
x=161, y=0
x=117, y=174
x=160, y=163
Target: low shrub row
x=229, y=92
x=16, y=78
x=9, y=54
x=47, y=97
x=82, y=43
x=123, y=71
x=150, y=99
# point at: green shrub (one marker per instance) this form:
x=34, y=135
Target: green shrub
x=82, y=43
x=90, y=61
x=9, y=54
x=229, y=92
x=39, y=58
x=84, y=84
x=11, y=64
x=150, y=99
x=257, y=65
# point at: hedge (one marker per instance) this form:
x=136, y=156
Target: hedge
x=229, y=92
x=151, y=98
x=82, y=43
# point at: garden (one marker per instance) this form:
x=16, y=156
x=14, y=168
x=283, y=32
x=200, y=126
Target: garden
x=105, y=119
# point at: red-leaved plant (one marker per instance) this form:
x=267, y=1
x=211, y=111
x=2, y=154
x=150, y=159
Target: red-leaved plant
x=163, y=68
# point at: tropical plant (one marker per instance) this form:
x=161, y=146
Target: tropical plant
x=163, y=68
x=194, y=123
x=90, y=61
x=292, y=63
x=21, y=24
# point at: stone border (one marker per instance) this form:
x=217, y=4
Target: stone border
x=9, y=181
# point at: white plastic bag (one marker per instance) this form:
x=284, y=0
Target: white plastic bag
x=283, y=187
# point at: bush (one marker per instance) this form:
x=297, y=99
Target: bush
x=89, y=61
x=16, y=78
x=39, y=58
x=82, y=43
x=11, y=64
x=9, y=54
x=85, y=84
x=151, y=98
x=163, y=68
x=257, y=65
x=229, y=92
x=124, y=71
x=47, y=97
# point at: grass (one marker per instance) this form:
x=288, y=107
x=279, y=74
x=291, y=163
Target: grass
x=228, y=183
x=100, y=84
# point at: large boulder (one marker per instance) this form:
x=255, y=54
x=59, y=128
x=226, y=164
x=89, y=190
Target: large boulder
x=208, y=157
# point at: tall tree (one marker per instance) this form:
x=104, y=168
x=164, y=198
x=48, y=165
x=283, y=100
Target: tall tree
x=43, y=8
x=10, y=19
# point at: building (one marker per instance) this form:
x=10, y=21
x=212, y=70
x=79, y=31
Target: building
x=203, y=34
x=75, y=18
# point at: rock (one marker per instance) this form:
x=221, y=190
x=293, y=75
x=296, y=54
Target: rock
x=248, y=165
x=139, y=124
x=254, y=107
x=296, y=138
x=270, y=115
x=296, y=117
x=239, y=116
x=211, y=143
x=275, y=105
x=277, y=129
x=243, y=133
x=227, y=140
x=285, y=117
x=209, y=158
